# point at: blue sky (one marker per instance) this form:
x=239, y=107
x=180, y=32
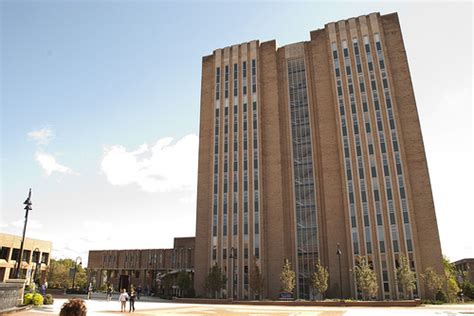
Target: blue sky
x=109, y=79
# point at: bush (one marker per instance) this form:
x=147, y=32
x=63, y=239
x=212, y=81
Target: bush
x=468, y=289
x=37, y=299
x=27, y=298
x=441, y=296
x=48, y=299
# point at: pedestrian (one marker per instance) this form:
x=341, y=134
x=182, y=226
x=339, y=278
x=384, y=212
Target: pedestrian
x=123, y=298
x=73, y=307
x=133, y=296
x=89, y=291
x=43, y=289
x=109, y=293
x=139, y=292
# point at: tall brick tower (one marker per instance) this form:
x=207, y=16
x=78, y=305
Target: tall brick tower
x=308, y=146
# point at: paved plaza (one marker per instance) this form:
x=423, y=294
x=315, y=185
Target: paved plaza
x=102, y=307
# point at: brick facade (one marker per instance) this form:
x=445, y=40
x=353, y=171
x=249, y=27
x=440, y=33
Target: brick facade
x=326, y=149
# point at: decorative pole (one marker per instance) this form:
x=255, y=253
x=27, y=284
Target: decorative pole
x=339, y=253
x=37, y=266
x=233, y=256
x=75, y=270
x=20, y=256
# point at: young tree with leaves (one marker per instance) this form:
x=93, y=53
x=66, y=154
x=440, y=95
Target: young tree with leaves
x=366, y=278
x=452, y=287
x=433, y=280
x=58, y=274
x=287, y=277
x=319, y=279
x=256, y=279
x=215, y=280
x=184, y=282
x=405, y=276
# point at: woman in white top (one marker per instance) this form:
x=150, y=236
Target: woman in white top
x=123, y=300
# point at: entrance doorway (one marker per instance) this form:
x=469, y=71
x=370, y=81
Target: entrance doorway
x=124, y=282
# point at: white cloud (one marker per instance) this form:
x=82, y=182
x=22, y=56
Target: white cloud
x=160, y=168
x=50, y=165
x=42, y=136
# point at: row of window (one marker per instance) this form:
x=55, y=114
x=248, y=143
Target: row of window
x=305, y=206
x=235, y=79
x=7, y=254
x=245, y=76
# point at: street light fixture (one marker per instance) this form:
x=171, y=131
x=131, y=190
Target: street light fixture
x=37, y=251
x=27, y=208
x=339, y=253
x=233, y=256
x=75, y=270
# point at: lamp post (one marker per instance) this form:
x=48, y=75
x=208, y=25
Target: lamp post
x=233, y=256
x=37, y=263
x=75, y=270
x=27, y=209
x=339, y=253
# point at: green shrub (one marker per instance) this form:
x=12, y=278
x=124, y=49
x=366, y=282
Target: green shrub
x=441, y=296
x=37, y=299
x=27, y=298
x=468, y=289
x=48, y=299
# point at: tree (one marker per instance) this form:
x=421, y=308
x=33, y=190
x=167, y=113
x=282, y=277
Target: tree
x=167, y=283
x=319, y=279
x=366, y=278
x=184, y=282
x=287, y=277
x=256, y=279
x=58, y=274
x=215, y=280
x=452, y=287
x=433, y=281
x=405, y=276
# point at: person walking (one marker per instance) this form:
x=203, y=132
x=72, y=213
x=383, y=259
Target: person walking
x=109, y=293
x=123, y=298
x=139, y=292
x=133, y=296
x=89, y=291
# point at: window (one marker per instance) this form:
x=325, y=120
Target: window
x=5, y=253
x=254, y=76
x=226, y=82
x=15, y=254
x=218, y=80
x=26, y=255
x=235, y=80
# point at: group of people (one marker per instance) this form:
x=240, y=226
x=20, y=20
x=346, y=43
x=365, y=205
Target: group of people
x=77, y=307
x=124, y=297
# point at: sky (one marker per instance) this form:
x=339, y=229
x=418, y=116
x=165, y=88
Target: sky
x=100, y=110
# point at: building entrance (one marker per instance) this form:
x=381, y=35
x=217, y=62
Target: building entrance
x=124, y=282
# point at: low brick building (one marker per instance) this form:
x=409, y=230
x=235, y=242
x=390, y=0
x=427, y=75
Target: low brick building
x=466, y=266
x=146, y=268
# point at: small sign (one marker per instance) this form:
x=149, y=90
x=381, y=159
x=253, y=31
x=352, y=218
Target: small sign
x=71, y=272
